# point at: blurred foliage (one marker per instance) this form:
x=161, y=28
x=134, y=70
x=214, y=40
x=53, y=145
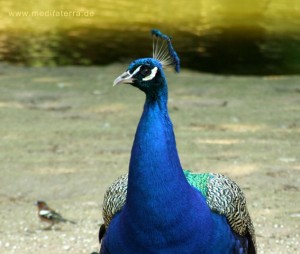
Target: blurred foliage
x=223, y=36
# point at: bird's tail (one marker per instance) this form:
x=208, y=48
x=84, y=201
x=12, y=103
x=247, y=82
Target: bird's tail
x=70, y=221
x=61, y=219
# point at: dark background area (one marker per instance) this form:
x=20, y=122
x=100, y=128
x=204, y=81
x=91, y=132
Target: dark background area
x=253, y=37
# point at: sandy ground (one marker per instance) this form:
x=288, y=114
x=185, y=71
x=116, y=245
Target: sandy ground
x=66, y=134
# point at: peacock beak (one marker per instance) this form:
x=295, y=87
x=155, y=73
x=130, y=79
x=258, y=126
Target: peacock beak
x=125, y=78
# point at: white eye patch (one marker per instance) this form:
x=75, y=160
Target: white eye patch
x=152, y=75
x=136, y=71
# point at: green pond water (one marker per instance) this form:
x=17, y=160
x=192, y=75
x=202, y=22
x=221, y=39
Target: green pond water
x=221, y=36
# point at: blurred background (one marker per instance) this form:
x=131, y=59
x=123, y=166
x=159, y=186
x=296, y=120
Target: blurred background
x=219, y=36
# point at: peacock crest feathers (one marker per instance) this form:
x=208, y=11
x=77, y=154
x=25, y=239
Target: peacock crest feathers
x=163, y=50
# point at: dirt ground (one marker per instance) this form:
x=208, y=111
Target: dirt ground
x=66, y=134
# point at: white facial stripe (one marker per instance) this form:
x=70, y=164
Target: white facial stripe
x=152, y=75
x=136, y=71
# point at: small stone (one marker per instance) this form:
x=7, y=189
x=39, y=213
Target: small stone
x=67, y=247
x=72, y=239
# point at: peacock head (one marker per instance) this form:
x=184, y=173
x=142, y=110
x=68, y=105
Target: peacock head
x=147, y=73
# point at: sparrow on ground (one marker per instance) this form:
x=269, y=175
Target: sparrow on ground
x=49, y=215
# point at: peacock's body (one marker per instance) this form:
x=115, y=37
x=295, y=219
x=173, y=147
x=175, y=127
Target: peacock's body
x=158, y=207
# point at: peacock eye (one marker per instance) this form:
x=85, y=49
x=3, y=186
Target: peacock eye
x=145, y=70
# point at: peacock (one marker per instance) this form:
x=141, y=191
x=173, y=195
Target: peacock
x=158, y=207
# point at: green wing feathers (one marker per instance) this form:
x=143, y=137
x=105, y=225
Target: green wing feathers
x=199, y=181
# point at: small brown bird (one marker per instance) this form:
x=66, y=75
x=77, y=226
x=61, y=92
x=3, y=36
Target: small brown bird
x=49, y=215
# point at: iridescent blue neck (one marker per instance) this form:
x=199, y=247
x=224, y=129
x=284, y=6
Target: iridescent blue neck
x=154, y=146
x=154, y=154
